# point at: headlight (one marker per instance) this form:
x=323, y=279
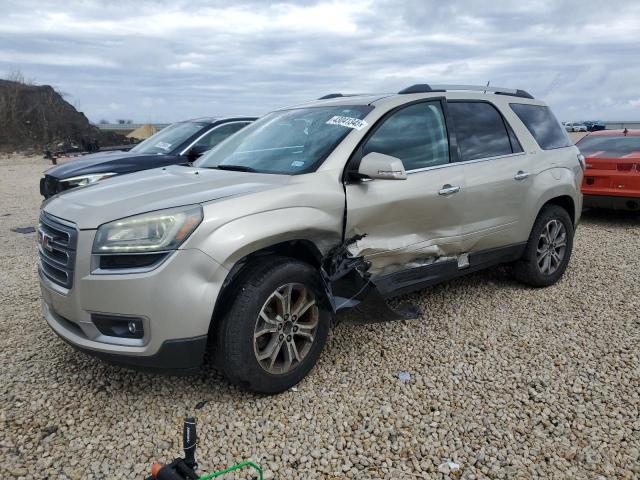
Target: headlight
x=149, y=232
x=82, y=180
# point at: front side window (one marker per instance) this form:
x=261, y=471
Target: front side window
x=416, y=134
x=169, y=138
x=220, y=133
x=543, y=125
x=480, y=131
x=287, y=142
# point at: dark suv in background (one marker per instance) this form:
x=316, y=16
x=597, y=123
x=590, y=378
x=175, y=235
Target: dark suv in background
x=595, y=126
x=180, y=142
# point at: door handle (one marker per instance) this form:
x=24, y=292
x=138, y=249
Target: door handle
x=448, y=190
x=521, y=175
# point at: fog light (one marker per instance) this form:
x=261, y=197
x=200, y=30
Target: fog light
x=118, y=326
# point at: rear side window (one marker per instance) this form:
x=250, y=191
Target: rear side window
x=416, y=134
x=480, y=130
x=543, y=125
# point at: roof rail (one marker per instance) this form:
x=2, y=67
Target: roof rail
x=424, y=88
x=417, y=88
x=340, y=95
x=331, y=95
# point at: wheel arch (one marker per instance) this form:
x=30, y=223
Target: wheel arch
x=556, y=186
x=300, y=249
x=564, y=201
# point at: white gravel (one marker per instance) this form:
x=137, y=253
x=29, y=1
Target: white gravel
x=505, y=381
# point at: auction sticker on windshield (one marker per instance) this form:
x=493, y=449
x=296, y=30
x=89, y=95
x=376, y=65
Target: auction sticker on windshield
x=163, y=145
x=348, y=122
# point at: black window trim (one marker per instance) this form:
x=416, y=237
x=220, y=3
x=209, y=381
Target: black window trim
x=352, y=164
x=507, y=126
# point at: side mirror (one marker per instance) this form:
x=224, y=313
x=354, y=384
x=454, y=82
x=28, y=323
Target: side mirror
x=197, y=151
x=382, y=167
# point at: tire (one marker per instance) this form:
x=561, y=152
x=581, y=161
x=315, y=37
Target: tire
x=239, y=336
x=530, y=269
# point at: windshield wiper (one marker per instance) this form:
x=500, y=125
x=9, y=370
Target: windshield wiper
x=237, y=168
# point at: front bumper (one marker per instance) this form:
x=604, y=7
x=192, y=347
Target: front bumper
x=175, y=302
x=182, y=356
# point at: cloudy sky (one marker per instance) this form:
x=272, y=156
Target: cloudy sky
x=157, y=61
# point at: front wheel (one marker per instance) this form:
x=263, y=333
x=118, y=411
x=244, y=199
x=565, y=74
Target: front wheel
x=548, y=249
x=275, y=328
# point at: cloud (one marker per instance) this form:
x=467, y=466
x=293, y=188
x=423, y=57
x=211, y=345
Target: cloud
x=206, y=58
x=184, y=66
x=149, y=102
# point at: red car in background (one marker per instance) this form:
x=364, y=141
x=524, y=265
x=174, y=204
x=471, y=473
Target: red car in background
x=612, y=174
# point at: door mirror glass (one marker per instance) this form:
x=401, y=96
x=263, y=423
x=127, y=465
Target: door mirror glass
x=382, y=167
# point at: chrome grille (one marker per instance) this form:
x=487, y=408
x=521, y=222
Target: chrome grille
x=57, y=250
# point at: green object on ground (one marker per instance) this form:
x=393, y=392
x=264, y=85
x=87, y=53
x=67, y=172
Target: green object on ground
x=233, y=468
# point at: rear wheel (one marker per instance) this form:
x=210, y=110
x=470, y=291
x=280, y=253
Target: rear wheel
x=274, y=329
x=548, y=249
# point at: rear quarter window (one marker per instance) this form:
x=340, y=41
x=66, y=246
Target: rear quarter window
x=543, y=125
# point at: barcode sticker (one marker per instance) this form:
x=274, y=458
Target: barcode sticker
x=348, y=122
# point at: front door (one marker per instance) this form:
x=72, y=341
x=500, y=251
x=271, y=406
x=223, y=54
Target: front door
x=413, y=222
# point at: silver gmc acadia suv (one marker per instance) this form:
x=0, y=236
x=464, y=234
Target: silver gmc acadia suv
x=333, y=204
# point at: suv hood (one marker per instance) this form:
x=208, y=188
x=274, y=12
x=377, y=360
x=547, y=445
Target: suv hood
x=149, y=190
x=116, y=161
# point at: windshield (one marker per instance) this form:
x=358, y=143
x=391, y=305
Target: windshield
x=169, y=138
x=288, y=142
x=609, y=146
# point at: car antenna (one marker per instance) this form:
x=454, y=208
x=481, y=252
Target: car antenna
x=487, y=86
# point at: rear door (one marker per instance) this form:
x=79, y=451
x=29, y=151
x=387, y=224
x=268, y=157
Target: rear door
x=412, y=222
x=498, y=175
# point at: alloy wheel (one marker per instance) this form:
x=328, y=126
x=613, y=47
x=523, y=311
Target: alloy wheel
x=552, y=246
x=285, y=329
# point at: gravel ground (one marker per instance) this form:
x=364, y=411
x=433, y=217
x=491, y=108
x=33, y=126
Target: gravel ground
x=575, y=136
x=505, y=381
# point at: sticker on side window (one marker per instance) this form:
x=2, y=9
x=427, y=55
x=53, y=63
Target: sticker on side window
x=163, y=145
x=297, y=163
x=348, y=122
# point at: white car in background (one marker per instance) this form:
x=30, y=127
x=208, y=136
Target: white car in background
x=575, y=127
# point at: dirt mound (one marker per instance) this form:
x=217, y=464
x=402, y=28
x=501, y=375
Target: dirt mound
x=143, y=132
x=38, y=117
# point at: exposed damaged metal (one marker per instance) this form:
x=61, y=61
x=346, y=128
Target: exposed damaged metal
x=392, y=254
x=348, y=285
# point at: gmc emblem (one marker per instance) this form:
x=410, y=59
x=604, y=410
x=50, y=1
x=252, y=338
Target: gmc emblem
x=45, y=241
